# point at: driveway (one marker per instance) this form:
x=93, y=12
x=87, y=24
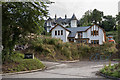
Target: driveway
x=81, y=69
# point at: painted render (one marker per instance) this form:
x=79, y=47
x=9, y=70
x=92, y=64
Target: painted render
x=85, y=34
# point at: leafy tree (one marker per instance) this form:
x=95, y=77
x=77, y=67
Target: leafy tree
x=118, y=45
x=19, y=19
x=91, y=17
x=97, y=16
x=86, y=20
x=109, y=23
x=118, y=20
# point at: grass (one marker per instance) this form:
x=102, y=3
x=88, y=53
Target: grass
x=116, y=59
x=17, y=63
x=113, y=71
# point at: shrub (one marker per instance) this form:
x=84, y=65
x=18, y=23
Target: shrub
x=66, y=52
x=111, y=70
x=18, y=63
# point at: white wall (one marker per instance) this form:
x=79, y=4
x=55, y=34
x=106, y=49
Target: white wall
x=84, y=35
x=99, y=37
x=49, y=23
x=73, y=23
x=62, y=37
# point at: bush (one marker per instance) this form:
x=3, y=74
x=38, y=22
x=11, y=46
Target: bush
x=84, y=50
x=18, y=63
x=66, y=52
x=113, y=71
x=16, y=57
x=53, y=47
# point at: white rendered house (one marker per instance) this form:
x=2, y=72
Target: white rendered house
x=89, y=34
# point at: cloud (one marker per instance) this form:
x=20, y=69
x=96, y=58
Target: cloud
x=79, y=7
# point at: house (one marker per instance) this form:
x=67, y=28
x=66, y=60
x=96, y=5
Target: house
x=89, y=34
x=65, y=22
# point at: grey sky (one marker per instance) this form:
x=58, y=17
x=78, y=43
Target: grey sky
x=79, y=7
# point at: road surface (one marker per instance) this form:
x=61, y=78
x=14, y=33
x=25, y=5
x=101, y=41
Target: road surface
x=81, y=69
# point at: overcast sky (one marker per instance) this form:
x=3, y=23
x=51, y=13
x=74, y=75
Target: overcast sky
x=79, y=7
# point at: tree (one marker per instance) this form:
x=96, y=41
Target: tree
x=19, y=19
x=97, y=16
x=118, y=20
x=91, y=17
x=109, y=23
x=86, y=20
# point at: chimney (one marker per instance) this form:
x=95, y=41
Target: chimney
x=65, y=16
x=55, y=17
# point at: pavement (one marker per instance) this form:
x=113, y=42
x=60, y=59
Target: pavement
x=79, y=69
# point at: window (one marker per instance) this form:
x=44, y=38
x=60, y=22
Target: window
x=94, y=32
x=97, y=41
x=80, y=35
x=61, y=32
x=94, y=41
x=91, y=41
x=91, y=32
x=58, y=32
x=71, y=40
x=55, y=32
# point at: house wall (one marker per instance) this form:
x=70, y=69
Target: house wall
x=49, y=23
x=99, y=37
x=62, y=37
x=84, y=35
x=73, y=23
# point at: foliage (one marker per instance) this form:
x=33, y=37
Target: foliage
x=95, y=16
x=109, y=23
x=17, y=63
x=19, y=19
x=56, y=49
x=118, y=20
x=91, y=17
x=113, y=71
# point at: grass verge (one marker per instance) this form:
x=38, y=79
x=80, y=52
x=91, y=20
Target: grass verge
x=17, y=63
x=113, y=71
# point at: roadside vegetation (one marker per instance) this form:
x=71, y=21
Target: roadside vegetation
x=20, y=19
x=52, y=49
x=16, y=63
x=113, y=71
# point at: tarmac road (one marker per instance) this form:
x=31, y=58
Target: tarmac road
x=80, y=69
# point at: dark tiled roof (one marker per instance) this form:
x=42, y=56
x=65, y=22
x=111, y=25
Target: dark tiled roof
x=49, y=18
x=74, y=30
x=60, y=20
x=73, y=17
